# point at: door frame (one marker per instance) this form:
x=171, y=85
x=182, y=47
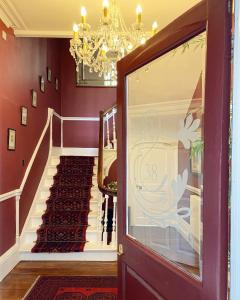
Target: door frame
x=235, y=166
x=215, y=15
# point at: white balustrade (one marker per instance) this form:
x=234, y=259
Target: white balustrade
x=100, y=217
x=109, y=143
x=108, y=133
x=114, y=130
x=105, y=234
x=114, y=222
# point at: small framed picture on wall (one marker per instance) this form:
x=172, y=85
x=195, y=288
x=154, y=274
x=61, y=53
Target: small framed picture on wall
x=56, y=84
x=49, y=74
x=42, y=84
x=34, y=98
x=24, y=115
x=11, y=140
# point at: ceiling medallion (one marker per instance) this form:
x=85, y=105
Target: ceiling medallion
x=100, y=50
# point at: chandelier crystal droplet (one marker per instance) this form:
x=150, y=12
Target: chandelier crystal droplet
x=100, y=50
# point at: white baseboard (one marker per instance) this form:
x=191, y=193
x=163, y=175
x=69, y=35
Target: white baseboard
x=75, y=151
x=8, y=261
x=74, y=256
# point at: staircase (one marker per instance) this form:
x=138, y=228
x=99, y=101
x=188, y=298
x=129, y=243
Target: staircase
x=94, y=248
x=101, y=235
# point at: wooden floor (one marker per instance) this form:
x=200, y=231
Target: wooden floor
x=18, y=282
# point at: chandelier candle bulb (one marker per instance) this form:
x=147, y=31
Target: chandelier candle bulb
x=139, y=14
x=83, y=15
x=75, y=31
x=154, y=28
x=105, y=8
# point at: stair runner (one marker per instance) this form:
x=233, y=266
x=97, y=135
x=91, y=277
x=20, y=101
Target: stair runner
x=66, y=218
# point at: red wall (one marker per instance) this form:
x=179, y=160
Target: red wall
x=33, y=180
x=7, y=225
x=81, y=102
x=22, y=61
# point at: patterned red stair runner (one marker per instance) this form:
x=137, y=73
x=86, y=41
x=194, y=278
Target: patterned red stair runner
x=66, y=218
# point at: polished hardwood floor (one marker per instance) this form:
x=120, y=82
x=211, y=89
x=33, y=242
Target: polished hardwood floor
x=22, y=277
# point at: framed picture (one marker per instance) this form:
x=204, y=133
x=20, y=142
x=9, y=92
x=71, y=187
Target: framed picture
x=11, y=142
x=42, y=84
x=87, y=78
x=24, y=115
x=34, y=98
x=56, y=84
x=49, y=74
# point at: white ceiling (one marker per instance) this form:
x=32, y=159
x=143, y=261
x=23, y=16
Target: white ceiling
x=55, y=17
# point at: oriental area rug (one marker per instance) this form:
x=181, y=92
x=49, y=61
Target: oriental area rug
x=73, y=288
x=65, y=221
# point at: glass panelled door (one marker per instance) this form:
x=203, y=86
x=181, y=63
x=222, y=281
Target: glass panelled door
x=165, y=109
x=173, y=128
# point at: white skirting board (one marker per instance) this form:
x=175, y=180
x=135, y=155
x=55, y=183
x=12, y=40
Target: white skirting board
x=100, y=256
x=75, y=151
x=8, y=261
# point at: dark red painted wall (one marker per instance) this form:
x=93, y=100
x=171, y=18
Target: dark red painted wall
x=7, y=225
x=22, y=61
x=33, y=180
x=56, y=128
x=81, y=102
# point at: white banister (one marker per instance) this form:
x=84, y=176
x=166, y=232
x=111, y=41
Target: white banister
x=108, y=133
x=114, y=222
x=114, y=130
x=17, y=218
x=100, y=216
x=105, y=234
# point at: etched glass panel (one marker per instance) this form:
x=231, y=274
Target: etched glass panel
x=165, y=154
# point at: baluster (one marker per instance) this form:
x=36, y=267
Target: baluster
x=108, y=133
x=114, y=130
x=114, y=223
x=105, y=234
x=100, y=217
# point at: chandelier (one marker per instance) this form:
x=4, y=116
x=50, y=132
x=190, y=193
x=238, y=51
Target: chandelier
x=100, y=50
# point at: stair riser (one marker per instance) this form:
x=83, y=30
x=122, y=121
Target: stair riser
x=37, y=221
x=42, y=206
x=31, y=237
x=82, y=256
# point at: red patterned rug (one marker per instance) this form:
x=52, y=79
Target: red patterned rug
x=66, y=219
x=73, y=288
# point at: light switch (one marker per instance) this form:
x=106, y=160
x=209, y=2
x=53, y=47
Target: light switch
x=4, y=35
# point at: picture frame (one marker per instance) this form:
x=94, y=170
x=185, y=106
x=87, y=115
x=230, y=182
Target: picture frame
x=56, y=84
x=24, y=115
x=34, y=98
x=42, y=84
x=11, y=139
x=84, y=77
x=49, y=74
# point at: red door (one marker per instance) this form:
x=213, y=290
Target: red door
x=173, y=122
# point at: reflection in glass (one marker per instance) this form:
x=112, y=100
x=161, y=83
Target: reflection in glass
x=165, y=154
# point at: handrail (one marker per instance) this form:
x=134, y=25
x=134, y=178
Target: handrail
x=105, y=190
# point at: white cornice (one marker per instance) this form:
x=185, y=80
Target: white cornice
x=43, y=33
x=10, y=16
